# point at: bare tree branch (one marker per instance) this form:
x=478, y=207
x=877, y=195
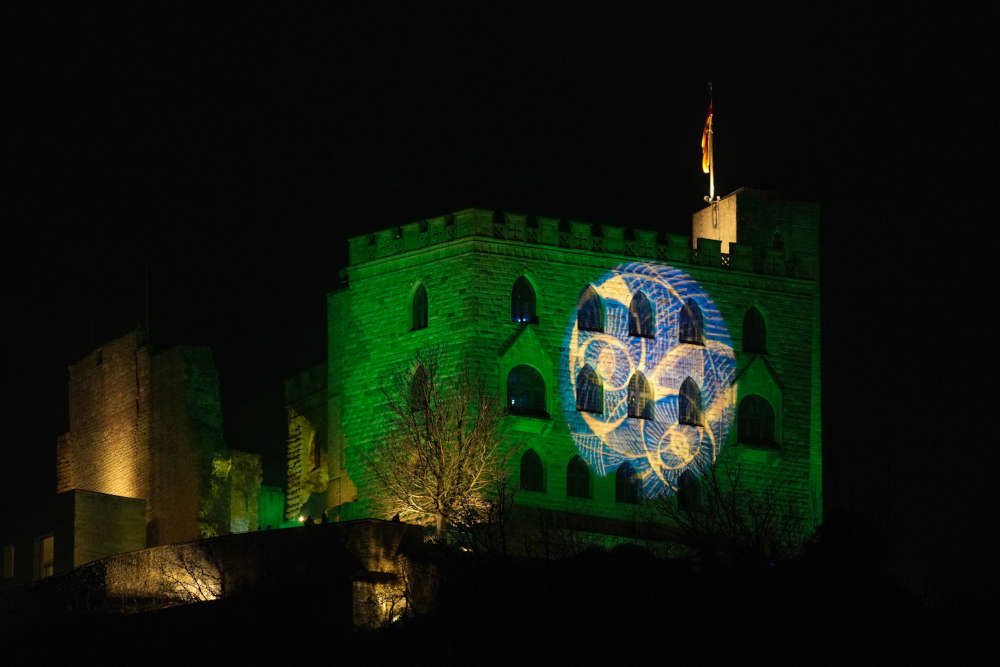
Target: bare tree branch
x=726, y=517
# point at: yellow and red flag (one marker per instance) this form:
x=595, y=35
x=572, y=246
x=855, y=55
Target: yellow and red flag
x=706, y=147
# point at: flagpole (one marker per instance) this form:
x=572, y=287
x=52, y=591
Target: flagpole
x=709, y=141
x=711, y=153
x=711, y=167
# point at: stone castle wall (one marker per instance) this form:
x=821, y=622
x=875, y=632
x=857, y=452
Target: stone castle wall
x=149, y=427
x=107, y=447
x=358, y=573
x=190, y=493
x=312, y=462
x=468, y=264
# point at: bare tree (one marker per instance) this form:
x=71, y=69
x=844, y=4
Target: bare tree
x=442, y=452
x=485, y=528
x=166, y=575
x=722, y=515
x=193, y=572
x=383, y=602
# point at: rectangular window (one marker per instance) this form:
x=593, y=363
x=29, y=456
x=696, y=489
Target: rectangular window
x=8, y=561
x=46, y=556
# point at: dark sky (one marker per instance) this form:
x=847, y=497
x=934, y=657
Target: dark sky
x=230, y=153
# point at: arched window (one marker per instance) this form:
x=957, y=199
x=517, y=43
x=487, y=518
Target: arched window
x=419, y=319
x=690, y=323
x=640, y=397
x=640, y=317
x=626, y=485
x=526, y=392
x=577, y=478
x=689, y=403
x=532, y=475
x=755, y=423
x=589, y=391
x=590, y=311
x=522, y=302
x=754, y=332
x=689, y=492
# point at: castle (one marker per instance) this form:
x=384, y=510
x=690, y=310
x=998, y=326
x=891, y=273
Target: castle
x=631, y=364
x=144, y=462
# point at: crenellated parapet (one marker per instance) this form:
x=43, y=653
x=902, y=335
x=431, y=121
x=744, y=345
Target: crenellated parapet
x=581, y=236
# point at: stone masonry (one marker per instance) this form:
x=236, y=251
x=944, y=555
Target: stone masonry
x=468, y=263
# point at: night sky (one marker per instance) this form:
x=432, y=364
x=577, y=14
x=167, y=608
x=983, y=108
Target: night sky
x=228, y=155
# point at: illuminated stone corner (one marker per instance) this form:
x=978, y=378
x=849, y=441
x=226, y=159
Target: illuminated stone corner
x=314, y=473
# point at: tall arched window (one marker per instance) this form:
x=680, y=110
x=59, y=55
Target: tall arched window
x=526, y=392
x=626, y=485
x=689, y=491
x=690, y=329
x=522, y=302
x=590, y=311
x=640, y=317
x=689, y=403
x=589, y=391
x=577, y=478
x=640, y=397
x=419, y=312
x=755, y=423
x=754, y=332
x=532, y=475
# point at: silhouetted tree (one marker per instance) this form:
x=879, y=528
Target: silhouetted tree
x=484, y=527
x=721, y=516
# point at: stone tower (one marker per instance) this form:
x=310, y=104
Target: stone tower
x=147, y=425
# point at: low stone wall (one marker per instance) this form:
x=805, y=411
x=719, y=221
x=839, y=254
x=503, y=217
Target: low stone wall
x=365, y=573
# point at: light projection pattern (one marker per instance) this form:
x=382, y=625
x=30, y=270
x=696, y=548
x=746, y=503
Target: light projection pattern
x=660, y=449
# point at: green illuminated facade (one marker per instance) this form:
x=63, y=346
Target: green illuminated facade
x=757, y=258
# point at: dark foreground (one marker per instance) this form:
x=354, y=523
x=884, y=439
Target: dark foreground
x=623, y=606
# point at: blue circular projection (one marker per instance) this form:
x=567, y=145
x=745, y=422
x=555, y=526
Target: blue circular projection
x=663, y=426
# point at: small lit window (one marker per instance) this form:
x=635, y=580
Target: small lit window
x=640, y=317
x=754, y=333
x=690, y=328
x=419, y=311
x=689, y=403
x=626, y=485
x=589, y=391
x=522, y=302
x=526, y=392
x=532, y=475
x=577, y=478
x=590, y=311
x=755, y=423
x=640, y=397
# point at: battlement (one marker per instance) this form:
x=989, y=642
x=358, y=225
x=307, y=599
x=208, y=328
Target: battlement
x=582, y=236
